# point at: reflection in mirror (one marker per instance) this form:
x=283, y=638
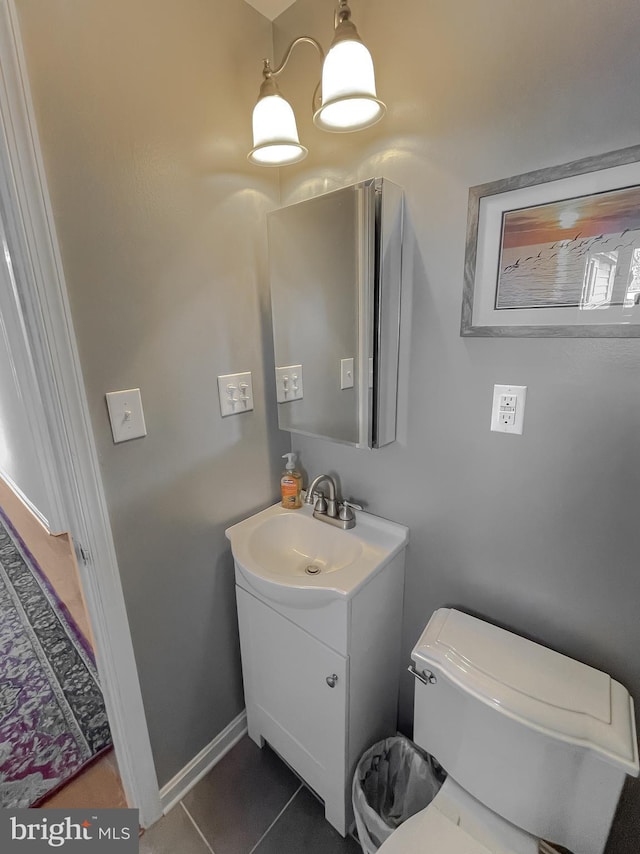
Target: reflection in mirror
x=335, y=293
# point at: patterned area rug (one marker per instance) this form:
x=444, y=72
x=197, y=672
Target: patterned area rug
x=52, y=716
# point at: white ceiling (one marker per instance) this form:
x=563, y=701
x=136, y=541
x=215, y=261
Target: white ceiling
x=270, y=8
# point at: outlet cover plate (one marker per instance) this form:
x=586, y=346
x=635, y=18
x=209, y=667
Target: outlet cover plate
x=507, y=418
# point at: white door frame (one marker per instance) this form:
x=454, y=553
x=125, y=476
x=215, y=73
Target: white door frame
x=63, y=415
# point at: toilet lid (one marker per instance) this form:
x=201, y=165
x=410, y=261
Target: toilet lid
x=456, y=823
x=538, y=687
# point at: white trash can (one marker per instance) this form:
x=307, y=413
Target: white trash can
x=393, y=781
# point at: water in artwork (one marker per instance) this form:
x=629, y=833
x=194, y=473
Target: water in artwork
x=581, y=252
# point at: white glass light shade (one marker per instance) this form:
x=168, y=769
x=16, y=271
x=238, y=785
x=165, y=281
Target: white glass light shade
x=349, y=99
x=275, y=135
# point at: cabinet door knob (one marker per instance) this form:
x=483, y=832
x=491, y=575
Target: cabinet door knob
x=331, y=680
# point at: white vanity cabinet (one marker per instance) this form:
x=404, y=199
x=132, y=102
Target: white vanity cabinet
x=321, y=683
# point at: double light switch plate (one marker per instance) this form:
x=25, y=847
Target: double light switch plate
x=236, y=393
x=289, y=385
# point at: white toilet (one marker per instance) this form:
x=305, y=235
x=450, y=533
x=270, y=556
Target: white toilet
x=535, y=744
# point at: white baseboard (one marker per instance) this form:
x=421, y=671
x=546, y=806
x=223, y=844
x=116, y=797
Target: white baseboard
x=13, y=486
x=175, y=790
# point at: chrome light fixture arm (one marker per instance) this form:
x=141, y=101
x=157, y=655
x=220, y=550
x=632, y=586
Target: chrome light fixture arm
x=275, y=72
x=268, y=73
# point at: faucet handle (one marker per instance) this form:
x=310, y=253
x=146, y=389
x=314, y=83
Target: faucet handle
x=346, y=510
x=320, y=505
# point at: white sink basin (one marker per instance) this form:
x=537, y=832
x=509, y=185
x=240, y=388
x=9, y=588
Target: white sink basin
x=290, y=557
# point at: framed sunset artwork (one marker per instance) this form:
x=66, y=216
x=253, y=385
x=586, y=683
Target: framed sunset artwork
x=556, y=252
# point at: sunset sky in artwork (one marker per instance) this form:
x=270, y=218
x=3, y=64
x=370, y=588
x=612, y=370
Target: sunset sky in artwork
x=586, y=216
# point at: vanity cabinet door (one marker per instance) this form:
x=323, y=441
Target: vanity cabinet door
x=296, y=693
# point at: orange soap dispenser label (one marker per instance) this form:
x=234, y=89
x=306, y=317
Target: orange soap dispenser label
x=289, y=487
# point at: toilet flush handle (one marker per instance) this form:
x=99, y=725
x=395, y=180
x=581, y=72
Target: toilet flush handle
x=427, y=677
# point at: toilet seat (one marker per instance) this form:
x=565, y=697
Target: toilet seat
x=456, y=823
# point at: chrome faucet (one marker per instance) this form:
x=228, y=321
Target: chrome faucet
x=330, y=503
x=330, y=509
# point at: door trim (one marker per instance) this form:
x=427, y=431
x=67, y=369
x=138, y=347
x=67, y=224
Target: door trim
x=80, y=500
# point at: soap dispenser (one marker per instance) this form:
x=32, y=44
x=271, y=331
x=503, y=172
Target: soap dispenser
x=291, y=484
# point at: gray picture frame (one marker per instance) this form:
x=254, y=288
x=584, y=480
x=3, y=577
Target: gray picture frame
x=584, y=178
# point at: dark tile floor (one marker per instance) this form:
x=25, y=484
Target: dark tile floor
x=249, y=803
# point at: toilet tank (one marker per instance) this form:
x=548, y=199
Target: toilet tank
x=541, y=739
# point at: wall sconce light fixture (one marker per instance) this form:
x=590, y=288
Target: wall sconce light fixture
x=346, y=101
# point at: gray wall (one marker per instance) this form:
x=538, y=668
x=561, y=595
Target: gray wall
x=540, y=532
x=144, y=112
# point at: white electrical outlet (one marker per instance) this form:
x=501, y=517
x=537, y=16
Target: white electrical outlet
x=507, y=412
x=289, y=383
x=236, y=393
x=126, y=415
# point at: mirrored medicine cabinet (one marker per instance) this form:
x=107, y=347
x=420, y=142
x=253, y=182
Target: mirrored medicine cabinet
x=335, y=266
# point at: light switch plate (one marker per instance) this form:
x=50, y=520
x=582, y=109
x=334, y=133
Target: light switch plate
x=289, y=384
x=236, y=393
x=346, y=373
x=507, y=412
x=126, y=415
